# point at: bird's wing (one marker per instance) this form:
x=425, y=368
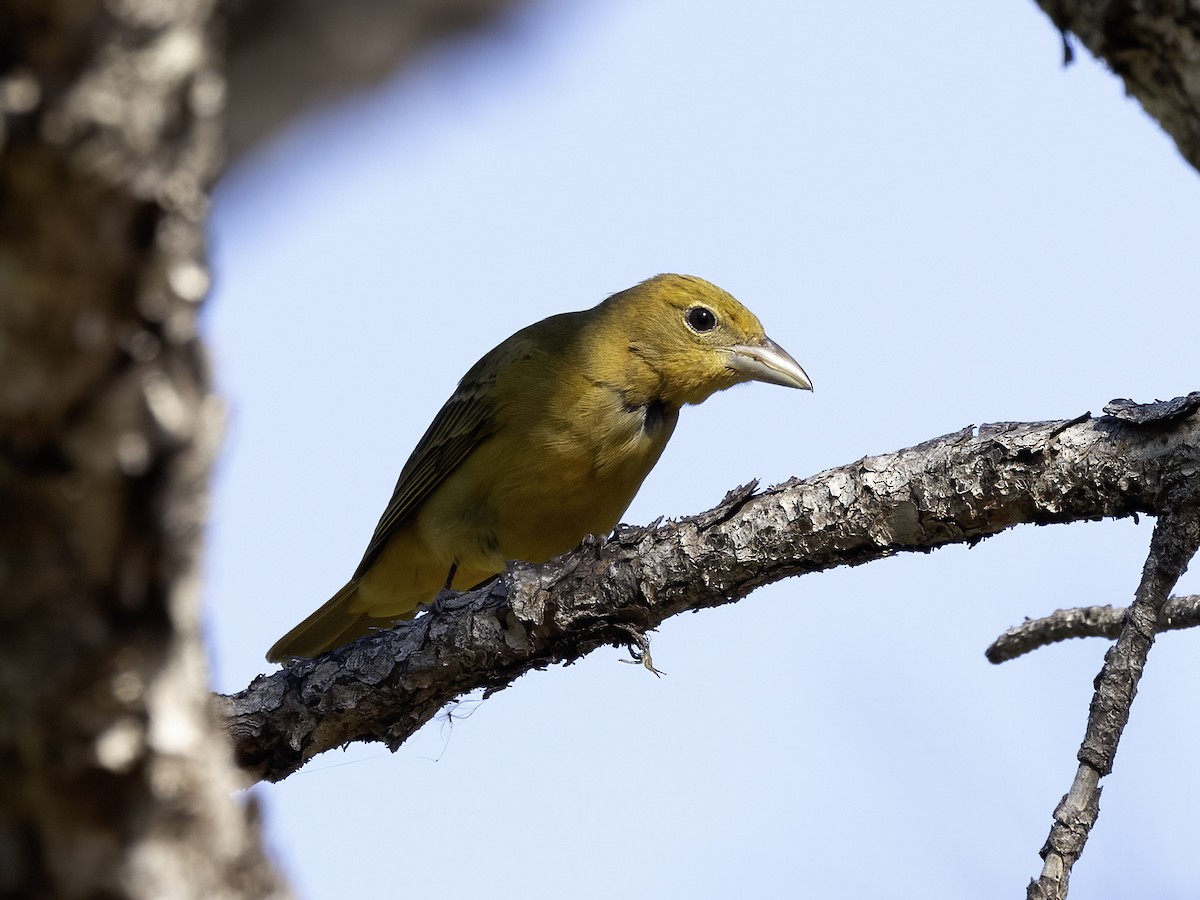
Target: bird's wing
x=468, y=418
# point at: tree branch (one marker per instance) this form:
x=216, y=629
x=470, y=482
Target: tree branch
x=1175, y=541
x=1085, y=621
x=962, y=487
x=286, y=56
x=1152, y=46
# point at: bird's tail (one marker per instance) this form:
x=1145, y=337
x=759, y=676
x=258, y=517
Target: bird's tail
x=335, y=624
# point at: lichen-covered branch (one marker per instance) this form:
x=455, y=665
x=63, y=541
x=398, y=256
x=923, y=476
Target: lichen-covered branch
x=1152, y=46
x=962, y=487
x=1085, y=621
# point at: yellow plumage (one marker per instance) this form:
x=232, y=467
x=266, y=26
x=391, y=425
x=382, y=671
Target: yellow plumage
x=546, y=440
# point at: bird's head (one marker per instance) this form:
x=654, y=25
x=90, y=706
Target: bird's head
x=696, y=339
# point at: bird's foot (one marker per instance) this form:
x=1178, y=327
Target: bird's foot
x=639, y=650
x=444, y=600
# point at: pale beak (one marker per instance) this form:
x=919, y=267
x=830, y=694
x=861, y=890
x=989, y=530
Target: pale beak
x=767, y=361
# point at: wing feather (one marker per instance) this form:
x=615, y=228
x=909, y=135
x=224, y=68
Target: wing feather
x=467, y=419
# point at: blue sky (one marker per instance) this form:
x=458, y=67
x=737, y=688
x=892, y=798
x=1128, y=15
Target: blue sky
x=941, y=223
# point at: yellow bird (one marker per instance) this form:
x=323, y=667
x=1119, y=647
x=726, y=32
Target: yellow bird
x=546, y=440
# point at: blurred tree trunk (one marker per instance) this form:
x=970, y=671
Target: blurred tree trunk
x=117, y=782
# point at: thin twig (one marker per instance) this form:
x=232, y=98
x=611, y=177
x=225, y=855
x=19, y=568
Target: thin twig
x=1085, y=621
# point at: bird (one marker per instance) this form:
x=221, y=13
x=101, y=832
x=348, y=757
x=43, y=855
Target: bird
x=546, y=440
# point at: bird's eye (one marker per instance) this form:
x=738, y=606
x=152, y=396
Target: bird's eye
x=701, y=318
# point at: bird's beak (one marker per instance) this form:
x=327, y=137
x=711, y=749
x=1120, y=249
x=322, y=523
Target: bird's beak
x=767, y=361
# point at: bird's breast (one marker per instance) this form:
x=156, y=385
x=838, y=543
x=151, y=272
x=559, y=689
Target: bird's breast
x=535, y=492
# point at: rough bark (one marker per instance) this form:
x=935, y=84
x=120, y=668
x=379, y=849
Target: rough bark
x=1154, y=45
x=962, y=487
x=116, y=781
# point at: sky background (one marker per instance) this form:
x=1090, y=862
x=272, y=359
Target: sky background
x=945, y=228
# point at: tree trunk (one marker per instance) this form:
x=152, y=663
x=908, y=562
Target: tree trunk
x=118, y=785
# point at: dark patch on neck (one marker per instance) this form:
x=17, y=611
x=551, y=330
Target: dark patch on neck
x=655, y=414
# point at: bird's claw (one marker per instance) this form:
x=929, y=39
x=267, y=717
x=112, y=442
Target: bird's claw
x=443, y=599
x=639, y=650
